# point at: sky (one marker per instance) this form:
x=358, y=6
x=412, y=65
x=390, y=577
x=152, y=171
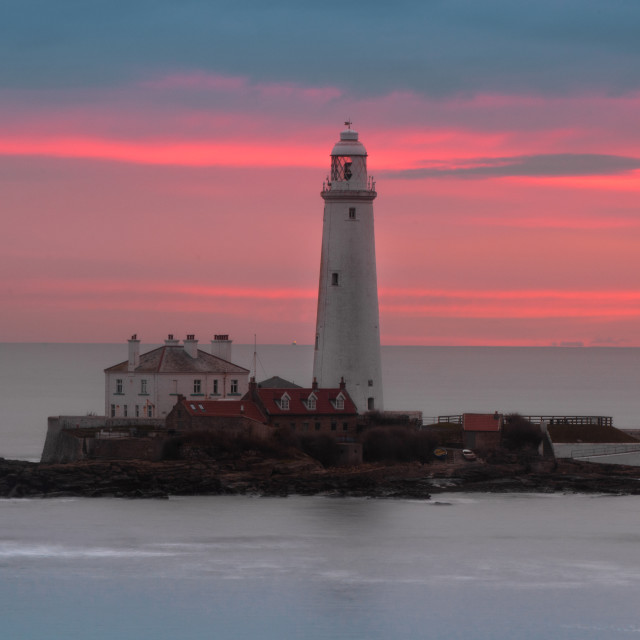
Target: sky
x=161, y=164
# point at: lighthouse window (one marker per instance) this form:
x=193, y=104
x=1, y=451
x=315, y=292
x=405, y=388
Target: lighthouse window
x=352, y=213
x=334, y=279
x=341, y=168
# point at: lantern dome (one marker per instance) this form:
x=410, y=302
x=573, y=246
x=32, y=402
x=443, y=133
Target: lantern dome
x=349, y=145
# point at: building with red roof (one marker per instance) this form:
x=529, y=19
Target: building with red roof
x=308, y=410
x=202, y=415
x=482, y=430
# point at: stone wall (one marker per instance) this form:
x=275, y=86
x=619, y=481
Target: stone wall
x=60, y=447
x=319, y=424
x=125, y=448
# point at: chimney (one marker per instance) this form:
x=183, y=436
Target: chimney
x=170, y=341
x=134, y=352
x=191, y=346
x=314, y=385
x=343, y=386
x=221, y=346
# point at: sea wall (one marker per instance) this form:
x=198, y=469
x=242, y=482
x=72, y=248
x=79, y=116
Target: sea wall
x=614, y=453
x=75, y=438
x=61, y=447
x=125, y=448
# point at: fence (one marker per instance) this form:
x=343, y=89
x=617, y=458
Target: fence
x=606, y=421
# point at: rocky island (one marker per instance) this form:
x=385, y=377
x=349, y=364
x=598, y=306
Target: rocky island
x=264, y=476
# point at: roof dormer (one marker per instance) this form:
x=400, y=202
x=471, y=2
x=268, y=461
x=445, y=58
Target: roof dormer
x=285, y=401
x=338, y=403
x=312, y=401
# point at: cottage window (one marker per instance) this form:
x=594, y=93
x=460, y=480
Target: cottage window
x=234, y=386
x=150, y=411
x=345, y=426
x=197, y=386
x=334, y=425
x=215, y=387
x=335, y=278
x=125, y=411
x=284, y=402
x=340, y=402
x=113, y=410
x=352, y=213
x=143, y=386
x=137, y=411
x=119, y=385
x=311, y=403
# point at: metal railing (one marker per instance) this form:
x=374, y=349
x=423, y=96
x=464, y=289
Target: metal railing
x=604, y=451
x=603, y=421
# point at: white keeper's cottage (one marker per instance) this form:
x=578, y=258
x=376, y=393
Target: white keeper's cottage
x=147, y=385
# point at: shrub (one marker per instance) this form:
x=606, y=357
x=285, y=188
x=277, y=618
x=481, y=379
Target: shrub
x=223, y=444
x=320, y=446
x=397, y=444
x=519, y=433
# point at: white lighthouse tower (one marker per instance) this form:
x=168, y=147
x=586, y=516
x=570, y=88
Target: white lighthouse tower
x=347, y=341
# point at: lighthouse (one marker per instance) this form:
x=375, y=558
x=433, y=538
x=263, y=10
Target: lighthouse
x=347, y=343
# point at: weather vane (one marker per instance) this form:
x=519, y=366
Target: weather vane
x=348, y=123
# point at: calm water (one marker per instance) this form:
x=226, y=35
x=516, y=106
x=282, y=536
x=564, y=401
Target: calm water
x=234, y=568
x=38, y=380
x=494, y=567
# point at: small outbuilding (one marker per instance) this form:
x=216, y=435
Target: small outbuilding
x=482, y=430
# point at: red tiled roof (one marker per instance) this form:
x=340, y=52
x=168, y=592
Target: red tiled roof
x=325, y=401
x=482, y=421
x=224, y=409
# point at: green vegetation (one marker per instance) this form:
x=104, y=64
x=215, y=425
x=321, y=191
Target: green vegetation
x=518, y=433
x=227, y=445
x=397, y=444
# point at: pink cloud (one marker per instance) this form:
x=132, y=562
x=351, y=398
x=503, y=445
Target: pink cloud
x=164, y=152
x=211, y=214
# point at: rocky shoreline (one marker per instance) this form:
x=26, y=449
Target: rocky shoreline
x=304, y=476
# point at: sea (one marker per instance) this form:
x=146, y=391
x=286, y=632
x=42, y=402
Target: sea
x=456, y=566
